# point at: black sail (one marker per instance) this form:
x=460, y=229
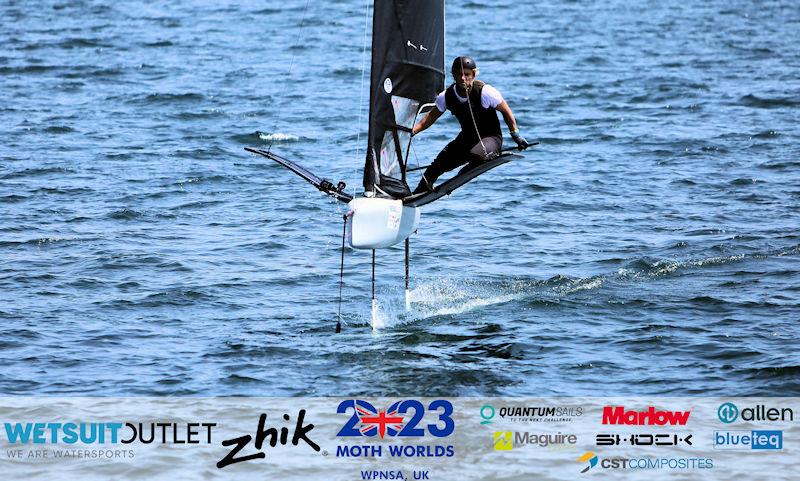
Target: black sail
x=407, y=72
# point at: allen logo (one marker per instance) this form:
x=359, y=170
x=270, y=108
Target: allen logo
x=503, y=440
x=728, y=413
x=618, y=415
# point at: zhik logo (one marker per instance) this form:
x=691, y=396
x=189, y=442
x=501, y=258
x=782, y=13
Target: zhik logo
x=273, y=436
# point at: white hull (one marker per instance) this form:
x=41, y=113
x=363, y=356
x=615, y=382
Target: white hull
x=375, y=223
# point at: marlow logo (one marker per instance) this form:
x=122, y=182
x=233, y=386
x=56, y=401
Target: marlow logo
x=618, y=415
x=503, y=440
x=591, y=457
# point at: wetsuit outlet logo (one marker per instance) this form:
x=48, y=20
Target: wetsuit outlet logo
x=108, y=433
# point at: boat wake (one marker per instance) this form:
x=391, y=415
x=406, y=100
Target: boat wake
x=433, y=298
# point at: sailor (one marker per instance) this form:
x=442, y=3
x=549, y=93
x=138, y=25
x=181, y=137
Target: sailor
x=475, y=105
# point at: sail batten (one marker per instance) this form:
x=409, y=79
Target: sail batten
x=407, y=71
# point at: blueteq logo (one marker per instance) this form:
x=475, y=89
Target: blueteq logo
x=402, y=419
x=759, y=440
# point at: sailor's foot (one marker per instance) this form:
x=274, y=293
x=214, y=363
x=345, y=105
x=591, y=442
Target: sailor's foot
x=424, y=186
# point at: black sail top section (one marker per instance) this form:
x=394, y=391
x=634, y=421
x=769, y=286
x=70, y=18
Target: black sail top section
x=407, y=72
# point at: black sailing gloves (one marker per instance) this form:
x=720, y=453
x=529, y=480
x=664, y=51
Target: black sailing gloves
x=522, y=144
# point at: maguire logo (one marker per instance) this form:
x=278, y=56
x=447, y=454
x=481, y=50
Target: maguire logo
x=759, y=440
x=508, y=440
x=618, y=415
x=729, y=413
x=402, y=419
x=591, y=458
x=503, y=440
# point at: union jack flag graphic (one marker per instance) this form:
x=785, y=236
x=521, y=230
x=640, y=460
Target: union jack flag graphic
x=376, y=421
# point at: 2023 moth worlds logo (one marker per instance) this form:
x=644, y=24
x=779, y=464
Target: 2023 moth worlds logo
x=407, y=419
x=401, y=418
x=649, y=417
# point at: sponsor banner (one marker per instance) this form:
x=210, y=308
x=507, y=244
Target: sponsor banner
x=398, y=438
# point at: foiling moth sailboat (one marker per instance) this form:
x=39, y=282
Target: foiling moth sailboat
x=407, y=73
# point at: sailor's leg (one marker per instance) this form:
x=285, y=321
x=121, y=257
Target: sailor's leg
x=492, y=146
x=452, y=155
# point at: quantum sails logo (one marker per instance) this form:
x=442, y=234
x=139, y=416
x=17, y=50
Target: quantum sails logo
x=529, y=414
x=98, y=440
x=400, y=421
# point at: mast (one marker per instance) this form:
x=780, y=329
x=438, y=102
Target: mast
x=407, y=71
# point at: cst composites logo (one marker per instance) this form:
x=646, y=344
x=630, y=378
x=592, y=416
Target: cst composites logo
x=402, y=419
x=729, y=413
x=648, y=417
x=645, y=463
x=591, y=458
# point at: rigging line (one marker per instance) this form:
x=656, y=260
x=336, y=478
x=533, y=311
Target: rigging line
x=361, y=92
x=471, y=114
x=341, y=278
x=291, y=65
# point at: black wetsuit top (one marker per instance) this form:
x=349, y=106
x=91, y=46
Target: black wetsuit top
x=486, y=118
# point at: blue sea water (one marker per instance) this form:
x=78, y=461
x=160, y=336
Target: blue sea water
x=648, y=246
